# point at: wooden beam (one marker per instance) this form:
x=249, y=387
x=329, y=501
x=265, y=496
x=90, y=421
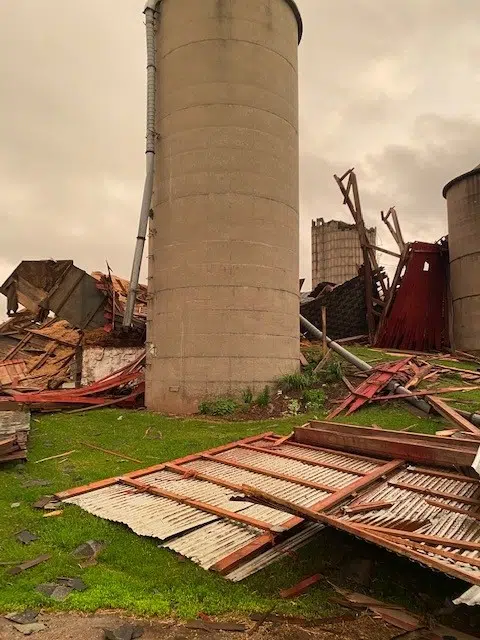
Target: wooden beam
x=449, y=507
x=451, y=415
x=270, y=474
x=466, y=545
x=366, y=507
x=382, y=250
x=474, y=562
x=298, y=458
x=415, y=488
x=201, y=506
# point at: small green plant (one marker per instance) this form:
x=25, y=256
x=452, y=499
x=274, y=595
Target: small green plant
x=297, y=381
x=263, y=399
x=333, y=372
x=247, y=396
x=314, y=399
x=293, y=408
x=218, y=407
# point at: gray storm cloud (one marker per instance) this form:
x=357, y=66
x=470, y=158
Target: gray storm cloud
x=390, y=88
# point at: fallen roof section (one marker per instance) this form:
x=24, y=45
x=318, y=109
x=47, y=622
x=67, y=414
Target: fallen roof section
x=188, y=504
x=231, y=509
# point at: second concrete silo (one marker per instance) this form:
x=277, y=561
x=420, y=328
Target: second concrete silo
x=223, y=252
x=463, y=203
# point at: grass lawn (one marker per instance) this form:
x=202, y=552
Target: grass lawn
x=132, y=573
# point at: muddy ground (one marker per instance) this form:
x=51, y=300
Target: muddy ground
x=72, y=626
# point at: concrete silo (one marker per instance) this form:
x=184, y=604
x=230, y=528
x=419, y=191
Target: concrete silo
x=463, y=204
x=223, y=246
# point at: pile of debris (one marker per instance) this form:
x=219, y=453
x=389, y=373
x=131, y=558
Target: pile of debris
x=14, y=429
x=36, y=356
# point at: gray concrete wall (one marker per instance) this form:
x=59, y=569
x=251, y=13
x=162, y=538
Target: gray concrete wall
x=223, y=255
x=463, y=203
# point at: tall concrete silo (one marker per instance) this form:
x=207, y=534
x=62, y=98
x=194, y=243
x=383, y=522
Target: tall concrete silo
x=223, y=247
x=463, y=204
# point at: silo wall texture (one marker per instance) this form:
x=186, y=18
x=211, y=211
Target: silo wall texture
x=463, y=204
x=223, y=246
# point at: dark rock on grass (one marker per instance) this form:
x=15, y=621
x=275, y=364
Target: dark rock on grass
x=25, y=537
x=24, y=617
x=125, y=632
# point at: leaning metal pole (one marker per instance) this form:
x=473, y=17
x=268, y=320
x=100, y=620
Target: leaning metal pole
x=394, y=387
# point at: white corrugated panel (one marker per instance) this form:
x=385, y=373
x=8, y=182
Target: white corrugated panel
x=291, y=491
x=145, y=514
x=317, y=455
x=212, y=543
x=303, y=470
x=275, y=553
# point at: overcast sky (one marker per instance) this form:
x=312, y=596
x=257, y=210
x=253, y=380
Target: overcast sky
x=391, y=88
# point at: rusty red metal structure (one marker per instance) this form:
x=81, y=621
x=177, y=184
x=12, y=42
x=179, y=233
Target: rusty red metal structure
x=416, y=314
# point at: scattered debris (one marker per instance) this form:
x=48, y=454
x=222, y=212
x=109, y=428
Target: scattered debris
x=29, y=629
x=48, y=503
x=28, y=564
x=61, y=589
x=59, y=455
x=301, y=587
x=14, y=430
x=25, y=617
x=88, y=552
x=215, y=626
x=112, y=453
x=400, y=618
x=53, y=514
x=26, y=537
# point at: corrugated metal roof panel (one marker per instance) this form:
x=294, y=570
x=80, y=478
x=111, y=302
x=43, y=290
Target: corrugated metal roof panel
x=470, y=597
x=275, y=553
x=299, y=494
x=145, y=514
x=351, y=463
x=302, y=470
x=212, y=543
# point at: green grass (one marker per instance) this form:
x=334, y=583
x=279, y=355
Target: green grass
x=132, y=573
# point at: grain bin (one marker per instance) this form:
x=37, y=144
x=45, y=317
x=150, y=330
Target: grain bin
x=223, y=245
x=463, y=204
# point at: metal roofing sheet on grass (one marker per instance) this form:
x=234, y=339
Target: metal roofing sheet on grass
x=210, y=539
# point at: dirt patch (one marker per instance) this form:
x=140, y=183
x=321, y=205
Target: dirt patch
x=70, y=626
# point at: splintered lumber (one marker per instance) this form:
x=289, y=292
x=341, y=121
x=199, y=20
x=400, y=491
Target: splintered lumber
x=28, y=564
x=425, y=392
x=366, y=507
x=301, y=587
x=59, y=455
x=111, y=453
x=452, y=416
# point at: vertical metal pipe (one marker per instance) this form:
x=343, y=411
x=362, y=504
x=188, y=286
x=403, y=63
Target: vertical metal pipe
x=149, y=12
